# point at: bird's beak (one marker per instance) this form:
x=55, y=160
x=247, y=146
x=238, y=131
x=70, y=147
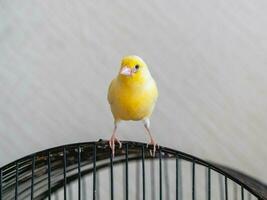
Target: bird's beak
x=127, y=71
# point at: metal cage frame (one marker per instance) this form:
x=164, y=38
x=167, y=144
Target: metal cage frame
x=31, y=176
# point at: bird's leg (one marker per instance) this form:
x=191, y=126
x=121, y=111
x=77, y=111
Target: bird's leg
x=152, y=141
x=114, y=139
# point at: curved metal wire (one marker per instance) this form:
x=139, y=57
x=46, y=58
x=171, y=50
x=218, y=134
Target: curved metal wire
x=39, y=175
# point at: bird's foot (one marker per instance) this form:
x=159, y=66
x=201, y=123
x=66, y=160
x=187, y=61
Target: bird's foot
x=155, y=145
x=111, y=142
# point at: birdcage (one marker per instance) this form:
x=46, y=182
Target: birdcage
x=88, y=171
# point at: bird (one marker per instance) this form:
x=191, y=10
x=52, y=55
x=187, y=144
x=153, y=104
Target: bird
x=132, y=95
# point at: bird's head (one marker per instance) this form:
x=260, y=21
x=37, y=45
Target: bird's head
x=133, y=70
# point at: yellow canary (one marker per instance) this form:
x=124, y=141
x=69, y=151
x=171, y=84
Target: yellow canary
x=132, y=95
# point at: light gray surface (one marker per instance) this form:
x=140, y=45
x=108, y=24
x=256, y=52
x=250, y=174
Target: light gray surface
x=208, y=58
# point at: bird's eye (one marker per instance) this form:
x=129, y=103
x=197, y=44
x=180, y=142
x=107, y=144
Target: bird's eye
x=136, y=67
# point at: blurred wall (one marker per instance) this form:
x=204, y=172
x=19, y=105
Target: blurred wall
x=208, y=58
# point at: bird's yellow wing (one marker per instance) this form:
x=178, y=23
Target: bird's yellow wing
x=155, y=91
x=111, y=91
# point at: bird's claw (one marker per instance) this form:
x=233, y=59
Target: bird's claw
x=155, y=146
x=111, y=142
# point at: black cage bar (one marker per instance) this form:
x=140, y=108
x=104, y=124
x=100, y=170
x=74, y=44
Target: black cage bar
x=54, y=172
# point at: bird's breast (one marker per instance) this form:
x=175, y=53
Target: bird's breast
x=134, y=103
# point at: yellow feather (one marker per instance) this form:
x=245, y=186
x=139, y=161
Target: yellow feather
x=133, y=97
